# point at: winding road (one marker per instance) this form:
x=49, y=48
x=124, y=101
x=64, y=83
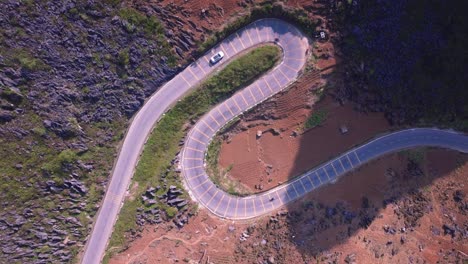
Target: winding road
x=294, y=46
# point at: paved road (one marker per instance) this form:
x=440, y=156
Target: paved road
x=227, y=206
x=294, y=45
x=259, y=32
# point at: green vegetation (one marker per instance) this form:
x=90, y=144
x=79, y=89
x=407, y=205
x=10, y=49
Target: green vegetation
x=151, y=27
x=162, y=144
x=229, y=125
x=56, y=165
x=170, y=212
x=316, y=119
x=32, y=155
x=24, y=59
x=124, y=58
x=136, y=20
x=113, y=3
x=212, y=156
x=37, y=159
x=266, y=9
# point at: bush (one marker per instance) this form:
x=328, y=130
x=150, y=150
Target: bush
x=67, y=156
x=63, y=159
x=27, y=61
x=170, y=212
x=150, y=25
x=124, y=58
x=316, y=119
x=212, y=155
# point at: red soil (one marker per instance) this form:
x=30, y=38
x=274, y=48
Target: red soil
x=273, y=159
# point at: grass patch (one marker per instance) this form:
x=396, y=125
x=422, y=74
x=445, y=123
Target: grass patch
x=124, y=58
x=212, y=158
x=26, y=60
x=162, y=144
x=56, y=165
x=136, y=20
x=316, y=119
x=151, y=27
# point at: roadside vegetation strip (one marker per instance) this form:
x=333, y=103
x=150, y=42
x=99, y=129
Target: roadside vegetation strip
x=163, y=143
x=212, y=160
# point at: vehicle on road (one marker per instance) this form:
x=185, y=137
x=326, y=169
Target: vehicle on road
x=217, y=57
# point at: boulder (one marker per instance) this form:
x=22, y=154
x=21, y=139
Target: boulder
x=76, y=186
x=6, y=116
x=42, y=236
x=150, y=202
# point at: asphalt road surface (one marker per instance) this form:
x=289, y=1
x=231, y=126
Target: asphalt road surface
x=261, y=31
x=295, y=46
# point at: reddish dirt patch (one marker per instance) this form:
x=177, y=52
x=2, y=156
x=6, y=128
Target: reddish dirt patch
x=323, y=53
x=278, y=155
x=206, y=14
x=204, y=237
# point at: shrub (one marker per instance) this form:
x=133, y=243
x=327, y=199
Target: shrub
x=316, y=119
x=170, y=212
x=124, y=58
x=149, y=24
x=63, y=159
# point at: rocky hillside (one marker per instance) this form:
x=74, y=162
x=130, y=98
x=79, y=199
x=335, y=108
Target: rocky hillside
x=71, y=75
x=406, y=58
